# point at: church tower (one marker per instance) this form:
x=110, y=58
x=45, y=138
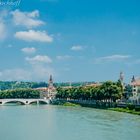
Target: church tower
x=133, y=79
x=51, y=88
x=122, y=79
x=50, y=82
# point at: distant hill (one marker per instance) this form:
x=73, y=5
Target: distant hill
x=4, y=85
x=14, y=85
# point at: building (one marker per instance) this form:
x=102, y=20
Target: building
x=51, y=89
x=43, y=92
x=135, y=83
x=48, y=92
x=93, y=85
x=121, y=78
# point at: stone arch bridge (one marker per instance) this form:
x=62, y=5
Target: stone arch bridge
x=24, y=101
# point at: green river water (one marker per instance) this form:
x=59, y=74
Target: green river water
x=48, y=122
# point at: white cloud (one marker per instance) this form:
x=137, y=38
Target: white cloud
x=134, y=62
x=31, y=35
x=28, y=50
x=77, y=48
x=63, y=57
x=15, y=74
x=3, y=24
x=116, y=57
x=38, y=70
x=27, y=19
x=9, y=46
x=2, y=30
x=35, y=73
x=39, y=59
x=137, y=61
x=3, y=14
x=66, y=69
x=42, y=72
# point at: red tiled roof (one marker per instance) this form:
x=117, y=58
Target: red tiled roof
x=136, y=82
x=93, y=85
x=42, y=89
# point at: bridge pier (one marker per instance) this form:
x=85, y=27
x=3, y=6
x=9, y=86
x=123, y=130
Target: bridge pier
x=1, y=103
x=26, y=103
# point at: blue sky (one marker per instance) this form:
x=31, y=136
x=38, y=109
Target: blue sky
x=76, y=40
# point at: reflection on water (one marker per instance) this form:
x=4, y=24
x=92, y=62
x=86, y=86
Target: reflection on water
x=48, y=122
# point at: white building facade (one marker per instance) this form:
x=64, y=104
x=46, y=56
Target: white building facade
x=135, y=83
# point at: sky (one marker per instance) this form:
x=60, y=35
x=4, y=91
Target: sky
x=74, y=40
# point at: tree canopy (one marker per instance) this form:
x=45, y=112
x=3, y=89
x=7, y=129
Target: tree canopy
x=19, y=93
x=107, y=91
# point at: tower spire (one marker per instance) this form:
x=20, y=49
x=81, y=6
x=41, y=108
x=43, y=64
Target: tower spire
x=51, y=88
x=133, y=79
x=50, y=79
x=50, y=82
x=121, y=76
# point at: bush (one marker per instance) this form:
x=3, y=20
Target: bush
x=137, y=108
x=131, y=106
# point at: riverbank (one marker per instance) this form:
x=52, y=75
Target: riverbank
x=118, y=109
x=126, y=110
x=70, y=104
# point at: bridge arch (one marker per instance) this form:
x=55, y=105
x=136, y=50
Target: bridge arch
x=14, y=101
x=43, y=102
x=24, y=101
x=34, y=101
x=38, y=102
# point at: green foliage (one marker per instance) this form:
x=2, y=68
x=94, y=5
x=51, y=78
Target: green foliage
x=107, y=91
x=4, y=85
x=19, y=93
x=70, y=104
x=128, y=91
x=125, y=110
x=137, y=108
x=73, y=84
x=130, y=106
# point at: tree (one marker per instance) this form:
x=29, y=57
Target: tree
x=19, y=93
x=109, y=92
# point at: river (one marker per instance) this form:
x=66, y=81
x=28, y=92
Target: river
x=48, y=122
